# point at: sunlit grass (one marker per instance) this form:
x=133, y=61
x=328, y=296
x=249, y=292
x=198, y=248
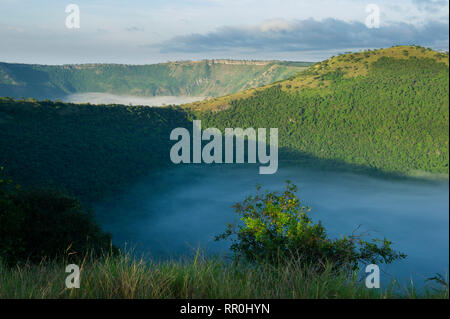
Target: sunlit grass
x=353, y=64
x=124, y=276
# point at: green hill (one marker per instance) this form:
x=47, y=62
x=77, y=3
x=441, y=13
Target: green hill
x=386, y=110
x=82, y=149
x=201, y=78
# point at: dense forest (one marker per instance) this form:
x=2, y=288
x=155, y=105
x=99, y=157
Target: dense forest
x=83, y=150
x=200, y=78
x=394, y=118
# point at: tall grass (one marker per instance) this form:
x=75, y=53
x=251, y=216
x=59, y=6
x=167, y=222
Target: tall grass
x=124, y=276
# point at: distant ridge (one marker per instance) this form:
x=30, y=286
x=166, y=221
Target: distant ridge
x=191, y=78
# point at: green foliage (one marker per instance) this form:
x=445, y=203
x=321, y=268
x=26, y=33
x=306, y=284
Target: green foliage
x=394, y=119
x=45, y=224
x=276, y=227
x=202, y=78
x=84, y=150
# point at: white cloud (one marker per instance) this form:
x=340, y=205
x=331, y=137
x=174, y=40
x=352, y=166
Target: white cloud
x=130, y=31
x=310, y=34
x=276, y=25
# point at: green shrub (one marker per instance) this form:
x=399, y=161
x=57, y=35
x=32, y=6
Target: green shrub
x=276, y=227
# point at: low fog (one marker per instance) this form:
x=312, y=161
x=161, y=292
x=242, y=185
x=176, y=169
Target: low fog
x=107, y=98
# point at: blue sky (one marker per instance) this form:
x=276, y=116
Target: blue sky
x=138, y=32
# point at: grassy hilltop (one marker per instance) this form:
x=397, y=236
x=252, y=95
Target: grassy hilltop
x=385, y=110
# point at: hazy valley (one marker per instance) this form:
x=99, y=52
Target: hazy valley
x=107, y=98
x=357, y=134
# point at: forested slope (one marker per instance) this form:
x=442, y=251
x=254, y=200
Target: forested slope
x=85, y=150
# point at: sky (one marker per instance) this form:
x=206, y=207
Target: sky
x=153, y=31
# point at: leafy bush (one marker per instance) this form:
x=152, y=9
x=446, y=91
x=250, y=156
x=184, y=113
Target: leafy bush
x=45, y=224
x=276, y=227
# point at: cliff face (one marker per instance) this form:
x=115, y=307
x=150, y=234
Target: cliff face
x=240, y=62
x=198, y=78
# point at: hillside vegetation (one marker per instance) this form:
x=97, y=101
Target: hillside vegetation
x=200, y=78
x=392, y=119
x=386, y=110
x=350, y=65
x=85, y=150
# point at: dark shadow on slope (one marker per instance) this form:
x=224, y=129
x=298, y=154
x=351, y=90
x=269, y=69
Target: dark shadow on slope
x=94, y=152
